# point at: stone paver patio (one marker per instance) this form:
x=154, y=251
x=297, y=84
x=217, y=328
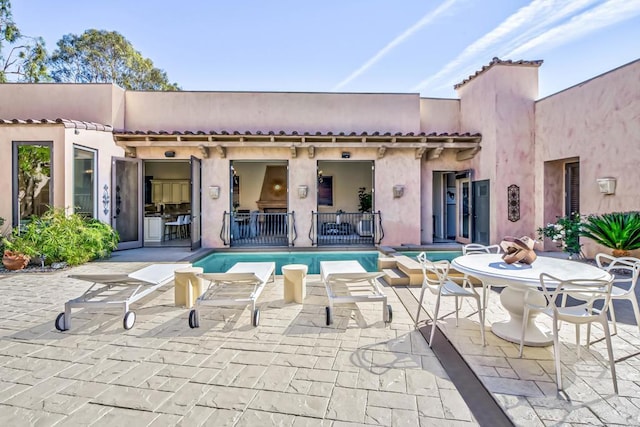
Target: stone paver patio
x=292, y=370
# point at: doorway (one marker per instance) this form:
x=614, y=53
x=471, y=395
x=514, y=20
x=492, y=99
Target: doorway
x=169, y=189
x=444, y=206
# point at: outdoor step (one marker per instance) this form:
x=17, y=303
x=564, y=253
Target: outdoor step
x=386, y=262
x=411, y=268
x=395, y=277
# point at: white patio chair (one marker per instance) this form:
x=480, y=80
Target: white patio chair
x=435, y=277
x=554, y=291
x=474, y=249
x=628, y=270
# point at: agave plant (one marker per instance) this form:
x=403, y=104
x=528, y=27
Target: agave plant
x=619, y=231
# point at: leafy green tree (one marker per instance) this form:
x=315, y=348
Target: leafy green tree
x=22, y=58
x=99, y=56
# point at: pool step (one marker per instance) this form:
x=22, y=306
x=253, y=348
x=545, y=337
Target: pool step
x=386, y=262
x=395, y=277
x=411, y=268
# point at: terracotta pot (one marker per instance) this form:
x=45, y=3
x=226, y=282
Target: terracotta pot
x=620, y=253
x=14, y=261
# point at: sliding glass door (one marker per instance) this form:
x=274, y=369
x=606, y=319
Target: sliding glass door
x=32, y=179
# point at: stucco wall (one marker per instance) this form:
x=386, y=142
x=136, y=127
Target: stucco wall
x=499, y=103
x=96, y=103
x=598, y=122
x=439, y=115
x=400, y=216
x=265, y=111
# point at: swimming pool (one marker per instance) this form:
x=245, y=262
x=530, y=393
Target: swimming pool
x=219, y=262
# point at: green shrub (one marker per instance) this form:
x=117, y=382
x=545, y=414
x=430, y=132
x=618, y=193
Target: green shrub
x=58, y=237
x=565, y=233
x=616, y=230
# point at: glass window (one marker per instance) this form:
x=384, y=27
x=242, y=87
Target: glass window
x=32, y=183
x=84, y=181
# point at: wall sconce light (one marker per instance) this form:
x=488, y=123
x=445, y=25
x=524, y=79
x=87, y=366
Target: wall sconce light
x=214, y=191
x=320, y=175
x=302, y=191
x=169, y=153
x=607, y=185
x=398, y=191
x=76, y=131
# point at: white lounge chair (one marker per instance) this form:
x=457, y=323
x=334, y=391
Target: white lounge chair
x=241, y=285
x=361, y=285
x=118, y=290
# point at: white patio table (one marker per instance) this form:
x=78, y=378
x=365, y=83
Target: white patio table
x=517, y=279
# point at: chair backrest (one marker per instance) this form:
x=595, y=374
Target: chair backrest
x=476, y=248
x=628, y=269
x=187, y=220
x=556, y=289
x=180, y=219
x=434, y=273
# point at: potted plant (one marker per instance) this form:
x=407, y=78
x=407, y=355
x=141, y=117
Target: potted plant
x=565, y=233
x=619, y=231
x=17, y=252
x=365, y=200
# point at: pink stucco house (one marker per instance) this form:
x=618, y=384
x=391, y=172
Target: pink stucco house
x=289, y=169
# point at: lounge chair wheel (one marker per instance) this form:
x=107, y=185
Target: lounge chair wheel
x=60, y=323
x=390, y=314
x=328, y=311
x=256, y=317
x=129, y=320
x=193, y=319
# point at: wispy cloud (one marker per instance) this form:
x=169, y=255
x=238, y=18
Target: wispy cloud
x=426, y=20
x=528, y=22
x=608, y=13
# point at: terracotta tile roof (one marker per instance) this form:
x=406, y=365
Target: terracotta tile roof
x=297, y=133
x=77, y=124
x=497, y=61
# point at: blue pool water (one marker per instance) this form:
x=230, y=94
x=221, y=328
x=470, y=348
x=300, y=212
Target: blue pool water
x=219, y=262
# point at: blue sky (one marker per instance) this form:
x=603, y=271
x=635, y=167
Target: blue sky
x=352, y=45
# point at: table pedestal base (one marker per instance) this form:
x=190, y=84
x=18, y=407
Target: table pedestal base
x=513, y=301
